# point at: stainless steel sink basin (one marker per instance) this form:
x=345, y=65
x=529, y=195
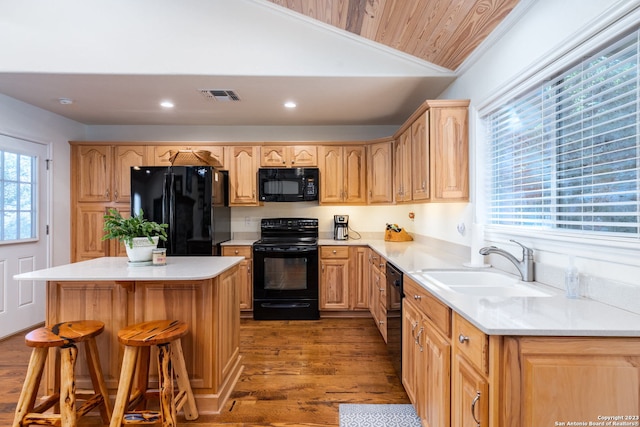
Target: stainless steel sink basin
x=482, y=283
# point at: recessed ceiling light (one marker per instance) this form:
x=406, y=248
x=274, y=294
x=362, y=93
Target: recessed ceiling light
x=65, y=101
x=167, y=104
x=290, y=104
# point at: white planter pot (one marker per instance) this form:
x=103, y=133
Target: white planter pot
x=142, y=249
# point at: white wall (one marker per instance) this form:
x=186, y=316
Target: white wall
x=543, y=34
x=25, y=121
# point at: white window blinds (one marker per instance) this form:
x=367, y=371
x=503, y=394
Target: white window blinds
x=565, y=155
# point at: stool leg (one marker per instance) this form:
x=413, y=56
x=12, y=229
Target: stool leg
x=182, y=378
x=68, y=357
x=165, y=383
x=124, y=385
x=99, y=387
x=31, y=384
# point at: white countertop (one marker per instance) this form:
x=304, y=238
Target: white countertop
x=555, y=315
x=118, y=269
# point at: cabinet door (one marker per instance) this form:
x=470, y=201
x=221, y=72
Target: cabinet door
x=435, y=385
x=380, y=172
x=334, y=284
x=126, y=156
x=355, y=174
x=469, y=395
x=93, y=172
x=87, y=232
x=331, y=174
x=411, y=352
x=304, y=156
x=243, y=179
x=359, y=281
x=403, y=167
x=91, y=300
x=245, y=274
x=420, y=157
x=273, y=156
x=449, y=139
x=558, y=379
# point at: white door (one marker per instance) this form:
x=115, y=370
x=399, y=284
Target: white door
x=24, y=187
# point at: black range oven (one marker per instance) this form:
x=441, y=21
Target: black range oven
x=285, y=275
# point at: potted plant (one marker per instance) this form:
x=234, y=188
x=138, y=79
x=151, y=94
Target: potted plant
x=139, y=235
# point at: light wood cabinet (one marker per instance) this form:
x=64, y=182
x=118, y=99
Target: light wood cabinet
x=426, y=354
x=469, y=376
x=280, y=156
x=162, y=153
x=243, y=176
x=359, y=277
x=100, y=180
x=420, y=167
x=334, y=278
x=378, y=291
x=551, y=379
x=431, y=160
x=402, y=171
x=449, y=153
x=380, y=171
x=245, y=274
x=342, y=174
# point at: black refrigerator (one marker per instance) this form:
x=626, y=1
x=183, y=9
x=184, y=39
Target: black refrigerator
x=193, y=200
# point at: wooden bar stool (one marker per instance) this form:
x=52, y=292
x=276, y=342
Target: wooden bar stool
x=137, y=339
x=64, y=336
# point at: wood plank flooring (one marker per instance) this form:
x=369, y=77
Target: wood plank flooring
x=296, y=374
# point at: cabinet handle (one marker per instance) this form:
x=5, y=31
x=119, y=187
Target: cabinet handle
x=381, y=322
x=424, y=184
x=237, y=252
x=473, y=408
x=414, y=325
x=106, y=194
x=381, y=265
x=418, y=339
x=381, y=289
x=417, y=297
x=334, y=251
x=115, y=194
x=463, y=339
x=248, y=269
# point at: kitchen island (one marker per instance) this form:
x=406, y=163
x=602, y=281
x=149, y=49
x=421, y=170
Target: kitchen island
x=202, y=291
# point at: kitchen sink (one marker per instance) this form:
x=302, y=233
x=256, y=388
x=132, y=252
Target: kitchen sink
x=482, y=283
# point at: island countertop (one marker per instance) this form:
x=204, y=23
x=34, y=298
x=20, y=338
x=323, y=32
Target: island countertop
x=118, y=269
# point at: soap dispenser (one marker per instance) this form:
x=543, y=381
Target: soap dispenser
x=572, y=279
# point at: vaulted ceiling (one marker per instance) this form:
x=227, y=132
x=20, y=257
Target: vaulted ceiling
x=443, y=32
x=345, y=62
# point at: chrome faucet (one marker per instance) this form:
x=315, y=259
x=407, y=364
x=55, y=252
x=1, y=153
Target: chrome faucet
x=525, y=267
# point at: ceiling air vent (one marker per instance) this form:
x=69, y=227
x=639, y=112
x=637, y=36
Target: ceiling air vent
x=219, y=94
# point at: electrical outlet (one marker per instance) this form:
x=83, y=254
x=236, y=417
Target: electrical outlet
x=461, y=228
x=247, y=221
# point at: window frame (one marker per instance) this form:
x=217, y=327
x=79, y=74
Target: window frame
x=623, y=250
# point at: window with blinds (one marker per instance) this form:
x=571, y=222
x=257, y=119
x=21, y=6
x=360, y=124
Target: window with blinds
x=566, y=154
x=17, y=197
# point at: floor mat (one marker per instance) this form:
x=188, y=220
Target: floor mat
x=356, y=415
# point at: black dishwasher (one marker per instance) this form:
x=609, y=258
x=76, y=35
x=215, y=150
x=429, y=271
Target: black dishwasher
x=394, y=317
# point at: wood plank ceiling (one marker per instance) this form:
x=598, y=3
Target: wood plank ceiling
x=443, y=32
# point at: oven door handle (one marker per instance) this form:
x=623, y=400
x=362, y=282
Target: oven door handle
x=285, y=305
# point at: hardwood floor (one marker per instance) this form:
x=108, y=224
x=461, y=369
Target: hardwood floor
x=296, y=374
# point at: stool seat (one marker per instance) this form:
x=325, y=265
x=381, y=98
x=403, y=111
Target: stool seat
x=155, y=332
x=64, y=336
x=133, y=388
x=65, y=333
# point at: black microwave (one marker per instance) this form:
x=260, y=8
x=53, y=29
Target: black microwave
x=288, y=185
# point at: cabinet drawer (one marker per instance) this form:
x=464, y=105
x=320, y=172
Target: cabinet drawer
x=472, y=342
x=329, y=252
x=436, y=311
x=245, y=251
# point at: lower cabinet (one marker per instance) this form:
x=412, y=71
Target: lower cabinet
x=378, y=291
x=245, y=274
x=344, y=284
x=456, y=375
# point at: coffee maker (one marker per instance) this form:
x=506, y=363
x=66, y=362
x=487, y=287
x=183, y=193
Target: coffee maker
x=340, y=227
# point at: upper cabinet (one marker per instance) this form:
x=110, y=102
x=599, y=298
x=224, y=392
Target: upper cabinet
x=380, y=167
x=296, y=156
x=243, y=176
x=432, y=154
x=343, y=174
